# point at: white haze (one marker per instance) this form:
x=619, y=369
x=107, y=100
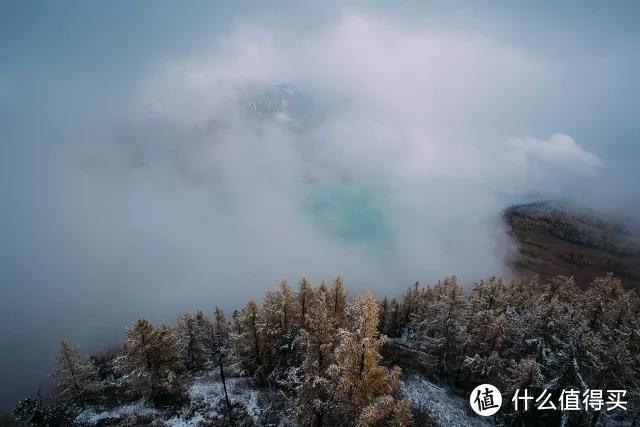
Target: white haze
x=195, y=185
x=187, y=200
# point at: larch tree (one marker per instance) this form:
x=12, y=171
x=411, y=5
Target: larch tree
x=384, y=314
x=522, y=375
x=75, y=377
x=193, y=341
x=439, y=328
x=150, y=361
x=410, y=303
x=608, y=315
x=314, y=392
x=322, y=287
x=289, y=323
x=391, y=326
x=305, y=291
x=363, y=386
x=220, y=341
x=338, y=301
x=605, y=302
x=245, y=339
x=486, y=305
x=277, y=325
x=386, y=411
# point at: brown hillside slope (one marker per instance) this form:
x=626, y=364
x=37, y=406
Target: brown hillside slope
x=560, y=238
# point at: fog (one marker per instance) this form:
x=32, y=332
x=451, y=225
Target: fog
x=151, y=172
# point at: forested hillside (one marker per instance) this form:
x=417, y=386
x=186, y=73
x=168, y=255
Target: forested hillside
x=560, y=238
x=315, y=356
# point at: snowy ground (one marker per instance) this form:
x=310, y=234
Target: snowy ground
x=92, y=416
x=445, y=408
x=204, y=394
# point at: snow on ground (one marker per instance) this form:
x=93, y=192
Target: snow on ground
x=91, y=416
x=252, y=405
x=206, y=392
x=445, y=408
x=181, y=422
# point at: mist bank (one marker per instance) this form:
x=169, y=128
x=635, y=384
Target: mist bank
x=375, y=150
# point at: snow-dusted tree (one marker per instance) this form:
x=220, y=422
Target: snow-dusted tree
x=305, y=292
x=439, y=327
x=384, y=314
x=556, y=332
x=392, y=325
x=519, y=293
x=522, y=375
x=525, y=374
x=338, y=301
x=361, y=381
x=604, y=302
x=387, y=411
x=277, y=325
x=491, y=368
x=485, y=327
x=220, y=341
x=150, y=362
x=608, y=315
x=75, y=377
x=314, y=405
x=410, y=303
x=289, y=324
x=322, y=287
x=245, y=339
x=497, y=333
x=193, y=341
x=270, y=327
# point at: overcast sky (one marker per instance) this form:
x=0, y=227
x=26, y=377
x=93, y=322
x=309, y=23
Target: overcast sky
x=157, y=157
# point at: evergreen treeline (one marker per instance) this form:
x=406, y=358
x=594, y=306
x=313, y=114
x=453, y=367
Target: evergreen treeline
x=315, y=345
x=524, y=335
x=322, y=351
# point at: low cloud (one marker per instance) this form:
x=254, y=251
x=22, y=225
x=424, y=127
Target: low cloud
x=559, y=149
x=368, y=149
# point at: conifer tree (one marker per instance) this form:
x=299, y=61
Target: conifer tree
x=604, y=302
x=338, y=301
x=361, y=382
x=486, y=303
x=410, y=303
x=387, y=411
x=271, y=328
x=150, y=361
x=220, y=340
x=322, y=287
x=314, y=405
x=304, y=300
x=193, y=341
x=75, y=378
x=391, y=327
x=245, y=339
x=439, y=327
x=324, y=351
x=277, y=325
x=384, y=314
x=289, y=323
